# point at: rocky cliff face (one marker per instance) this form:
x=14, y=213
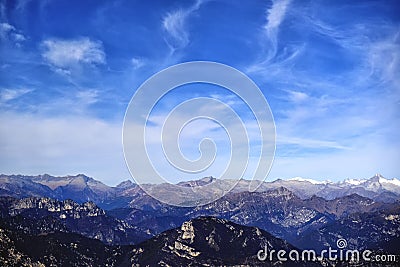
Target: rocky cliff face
x=65, y=209
x=49, y=215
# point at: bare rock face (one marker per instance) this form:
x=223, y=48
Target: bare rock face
x=188, y=231
x=67, y=208
x=45, y=215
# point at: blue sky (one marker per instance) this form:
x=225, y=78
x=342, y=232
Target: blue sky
x=329, y=70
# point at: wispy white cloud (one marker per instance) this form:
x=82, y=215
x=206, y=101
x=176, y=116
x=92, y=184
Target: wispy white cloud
x=175, y=24
x=69, y=53
x=5, y=28
x=11, y=94
x=275, y=15
x=87, y=97
x=9, y=33
x=296, y=96
x=229, y=99
x=76, y=102
x=309, y=143
x=377, y=55
x=383, y=59
x=137, y=62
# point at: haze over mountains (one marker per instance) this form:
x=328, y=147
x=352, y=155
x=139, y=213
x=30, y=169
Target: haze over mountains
x=126, y=226
x=81, y=188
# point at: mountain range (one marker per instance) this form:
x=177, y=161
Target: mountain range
x=81, y=188
x=126, y=226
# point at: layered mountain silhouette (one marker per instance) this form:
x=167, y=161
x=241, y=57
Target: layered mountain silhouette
x=79, y=219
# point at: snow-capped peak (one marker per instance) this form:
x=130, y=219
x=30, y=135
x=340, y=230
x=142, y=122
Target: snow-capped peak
x=354, y=181
x=379, y=179
x=301, y=179
x=393, y=181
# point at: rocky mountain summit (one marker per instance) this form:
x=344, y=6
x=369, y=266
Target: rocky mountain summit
x=208, y=241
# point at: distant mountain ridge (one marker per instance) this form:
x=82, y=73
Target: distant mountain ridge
x=81, y=188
